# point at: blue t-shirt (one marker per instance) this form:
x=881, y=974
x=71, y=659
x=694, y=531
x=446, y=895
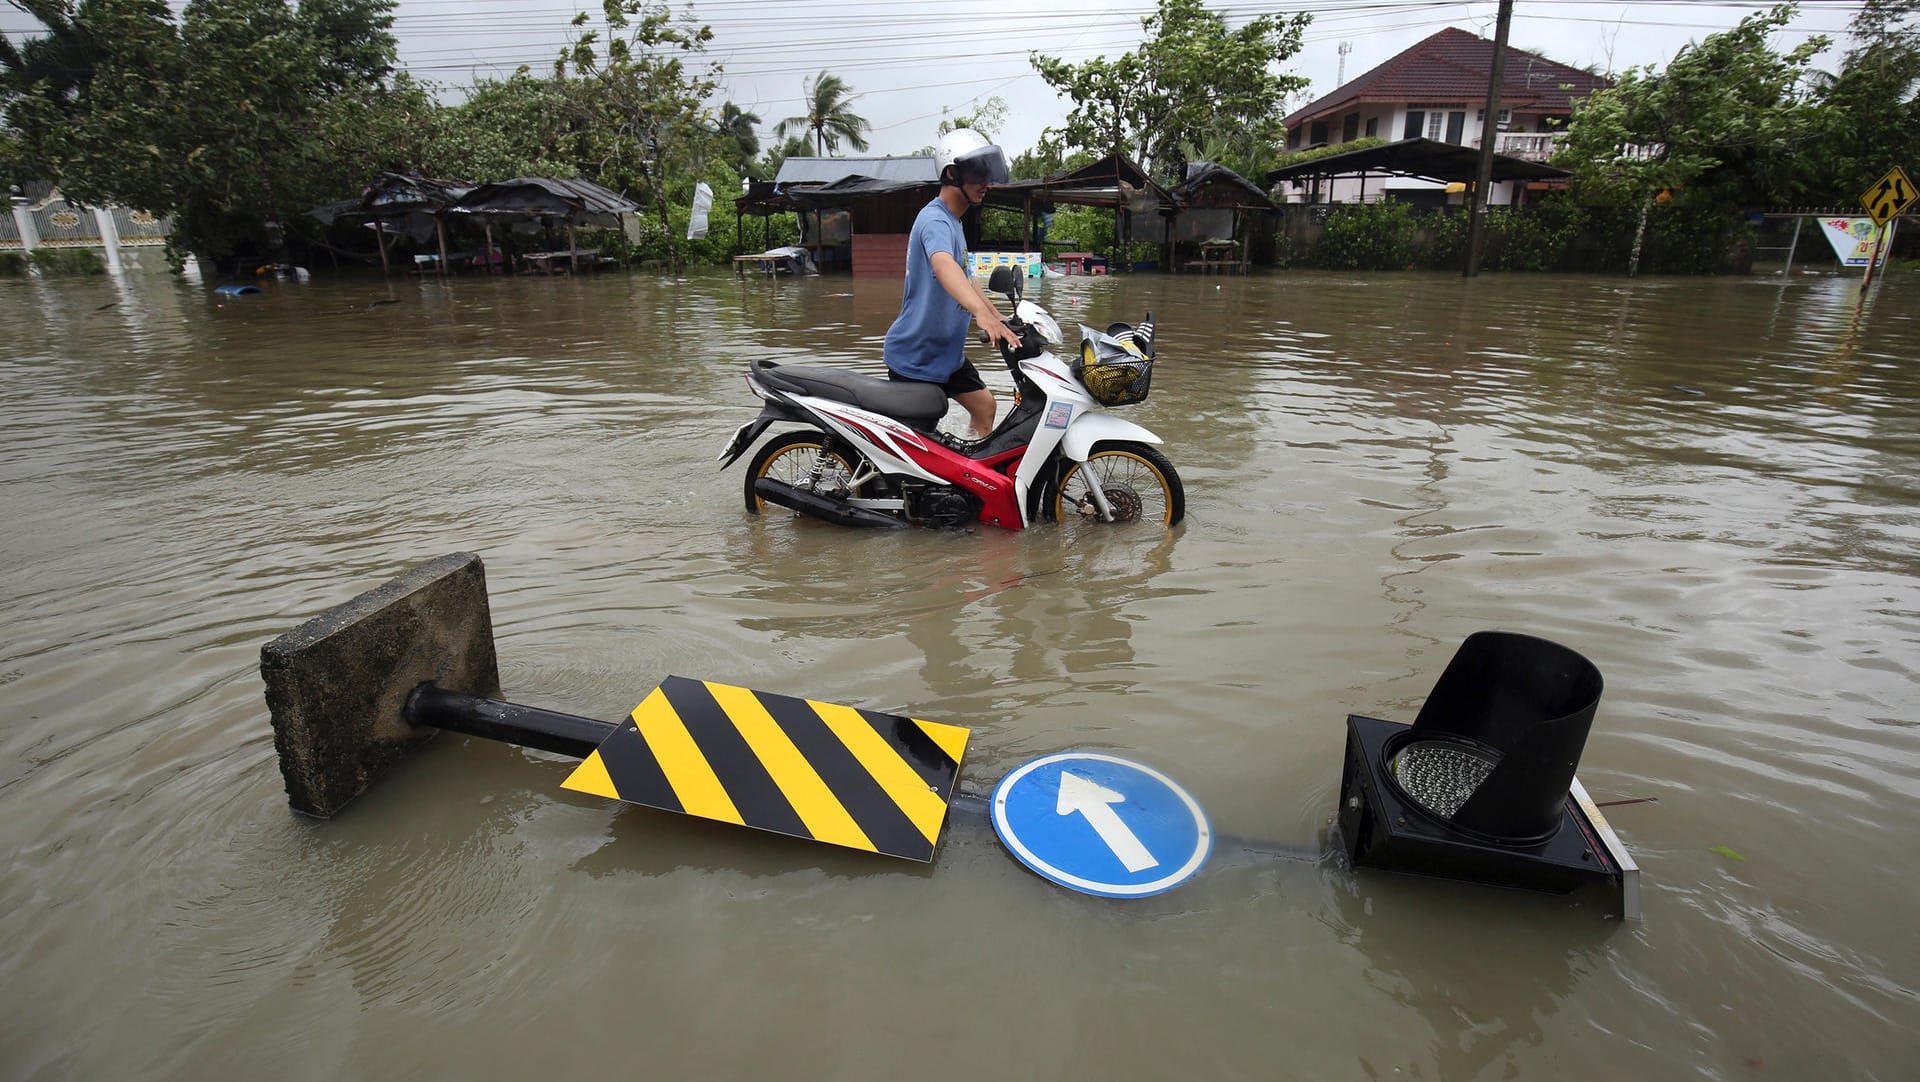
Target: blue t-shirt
x=928, y=339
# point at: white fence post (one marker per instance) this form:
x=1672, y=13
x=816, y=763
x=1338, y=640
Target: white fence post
x=23, y=218
x=109, y=236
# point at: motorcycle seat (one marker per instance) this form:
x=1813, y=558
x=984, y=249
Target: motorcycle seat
x=920, y=405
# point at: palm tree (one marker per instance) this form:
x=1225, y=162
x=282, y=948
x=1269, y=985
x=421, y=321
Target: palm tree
x=828, y=117
x=736, y=132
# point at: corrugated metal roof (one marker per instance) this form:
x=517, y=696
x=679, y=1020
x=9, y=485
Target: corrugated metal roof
x=1210, y=184
x=1417, y=158
x=558, y=196
x=1452, y=66
x=913, y=169
x=398, y=193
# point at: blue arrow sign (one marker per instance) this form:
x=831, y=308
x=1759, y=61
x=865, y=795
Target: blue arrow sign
x=1101, y=825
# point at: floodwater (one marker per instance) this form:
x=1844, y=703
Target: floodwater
x=1709, y=487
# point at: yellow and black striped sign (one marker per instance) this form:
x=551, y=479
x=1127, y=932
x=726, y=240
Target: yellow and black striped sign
x=827, y=773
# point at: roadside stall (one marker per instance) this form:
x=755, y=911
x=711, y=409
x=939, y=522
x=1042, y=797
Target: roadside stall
x=545, y=200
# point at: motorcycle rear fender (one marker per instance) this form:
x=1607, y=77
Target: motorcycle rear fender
x=750, y=432
x=1090, y=428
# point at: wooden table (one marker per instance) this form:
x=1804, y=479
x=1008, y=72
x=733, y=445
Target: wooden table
x=1218, y=255
x=563, y=261
x=1083, y=263
x=769, y=264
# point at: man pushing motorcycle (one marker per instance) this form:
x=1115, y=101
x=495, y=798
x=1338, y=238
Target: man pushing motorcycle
x=927, y=340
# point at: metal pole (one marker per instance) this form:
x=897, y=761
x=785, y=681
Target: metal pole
x=1874, y=259
x=509, y=723
x=1477, y=221
x=1793, y=246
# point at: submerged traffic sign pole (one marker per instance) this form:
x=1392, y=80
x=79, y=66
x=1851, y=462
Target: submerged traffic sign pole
x=1480, y=787
x=355, y=689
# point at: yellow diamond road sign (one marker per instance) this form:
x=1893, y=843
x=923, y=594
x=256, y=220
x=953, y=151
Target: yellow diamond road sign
x=1892, y=195
x=878, y=782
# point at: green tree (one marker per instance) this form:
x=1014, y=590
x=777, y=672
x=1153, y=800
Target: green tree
x=637, y=102
x=737, y=136
x=513, y=127
x=793, y=146
x=987, y=118
x=829, y=116
x=1874, y=118
x=1727, y=123
x=94, y=104
x=1724, y=120
x=220, y=120
x=1193, y=79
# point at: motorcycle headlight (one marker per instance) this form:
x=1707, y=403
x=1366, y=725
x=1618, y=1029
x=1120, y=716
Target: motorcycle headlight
x=1037, y=318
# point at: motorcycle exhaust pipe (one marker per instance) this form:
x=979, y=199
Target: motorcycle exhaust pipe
x=808, y=503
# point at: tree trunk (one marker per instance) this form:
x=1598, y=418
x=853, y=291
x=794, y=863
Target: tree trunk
x=1639, y=237
x=666, y=223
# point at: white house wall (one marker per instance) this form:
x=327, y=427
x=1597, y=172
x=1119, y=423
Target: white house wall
x=1389, y=123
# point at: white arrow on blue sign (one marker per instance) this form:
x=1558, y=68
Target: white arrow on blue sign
x=1101, y=824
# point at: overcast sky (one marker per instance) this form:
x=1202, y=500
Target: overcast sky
x=909, y=61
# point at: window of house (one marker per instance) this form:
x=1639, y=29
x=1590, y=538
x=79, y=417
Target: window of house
x=1456, y=125
x=1350, y=128
x=1416, y=125
x=1319, y=134
x=1506, y=116
x=1373, y=126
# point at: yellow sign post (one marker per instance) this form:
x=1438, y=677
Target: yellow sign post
x=1885, y=201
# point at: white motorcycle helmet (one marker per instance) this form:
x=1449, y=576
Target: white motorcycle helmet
x=972, y=158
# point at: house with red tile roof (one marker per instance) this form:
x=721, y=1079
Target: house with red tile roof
x=1437, y=90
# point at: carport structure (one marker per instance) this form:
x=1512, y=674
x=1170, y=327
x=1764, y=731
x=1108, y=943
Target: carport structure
x=1421, y=159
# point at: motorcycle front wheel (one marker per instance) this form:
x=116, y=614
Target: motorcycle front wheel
x=792, y=457
x=1138, y=481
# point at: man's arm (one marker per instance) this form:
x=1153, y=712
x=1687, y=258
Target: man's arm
x=959, y=285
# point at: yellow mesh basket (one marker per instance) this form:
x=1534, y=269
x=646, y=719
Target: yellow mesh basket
x=1114, y=377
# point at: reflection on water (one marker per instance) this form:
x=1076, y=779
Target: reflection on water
x=1706, y=486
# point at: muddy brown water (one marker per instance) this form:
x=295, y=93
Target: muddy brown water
x=1710, y=487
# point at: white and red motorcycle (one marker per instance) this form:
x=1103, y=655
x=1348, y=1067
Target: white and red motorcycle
x=868, y=453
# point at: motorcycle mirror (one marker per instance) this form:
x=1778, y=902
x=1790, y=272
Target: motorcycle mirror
x=1004, y=280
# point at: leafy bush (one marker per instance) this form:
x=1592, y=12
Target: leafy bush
x=12, y=264
x=1315, y=153
x=1529, y=239
x=68, y=261
x=1440, y=240
x=1553, y=234
x=1367, y=236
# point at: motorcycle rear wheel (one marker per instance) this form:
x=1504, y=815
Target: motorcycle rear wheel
x=790, y=457
x=1139, y=482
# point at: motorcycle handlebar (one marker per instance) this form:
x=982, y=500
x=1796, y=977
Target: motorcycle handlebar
x=1006, y=351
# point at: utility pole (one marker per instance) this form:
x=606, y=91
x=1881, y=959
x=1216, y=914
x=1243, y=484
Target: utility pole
x=1340, y=75
x=1489, y=134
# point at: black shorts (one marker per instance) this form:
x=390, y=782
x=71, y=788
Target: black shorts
x=965, y=378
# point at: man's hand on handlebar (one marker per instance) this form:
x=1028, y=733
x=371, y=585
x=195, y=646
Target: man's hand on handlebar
x=997, y=333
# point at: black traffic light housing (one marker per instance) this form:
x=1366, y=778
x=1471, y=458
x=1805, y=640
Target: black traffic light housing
x=1481, y=786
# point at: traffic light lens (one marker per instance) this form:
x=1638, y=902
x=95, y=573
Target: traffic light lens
x=1440, y=775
